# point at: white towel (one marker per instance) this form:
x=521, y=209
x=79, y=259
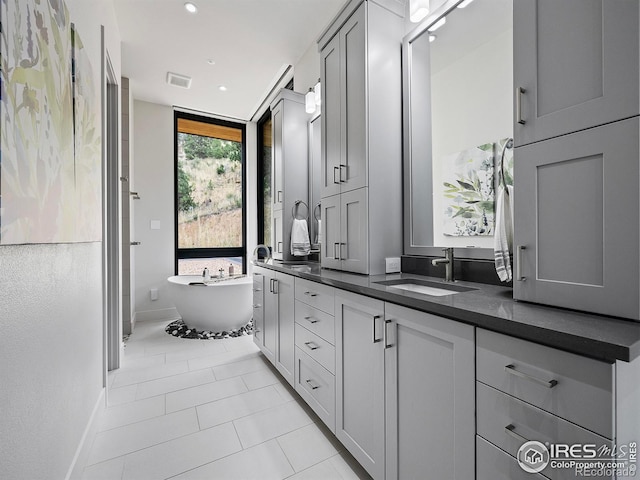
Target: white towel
x=503, y=238
x=300, y=244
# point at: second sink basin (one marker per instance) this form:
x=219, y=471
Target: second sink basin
x=425, y=287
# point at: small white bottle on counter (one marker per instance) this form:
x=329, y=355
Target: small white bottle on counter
x=205, y=275
x=231, y=269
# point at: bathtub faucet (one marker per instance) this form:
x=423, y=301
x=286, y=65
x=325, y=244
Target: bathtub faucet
x=256, y=251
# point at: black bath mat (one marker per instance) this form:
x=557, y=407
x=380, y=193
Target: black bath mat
x=179, y=329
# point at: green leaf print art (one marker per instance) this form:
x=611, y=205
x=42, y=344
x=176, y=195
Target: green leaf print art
x=469, y=192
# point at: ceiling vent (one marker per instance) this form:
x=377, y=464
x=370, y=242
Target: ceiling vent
x=176, y=80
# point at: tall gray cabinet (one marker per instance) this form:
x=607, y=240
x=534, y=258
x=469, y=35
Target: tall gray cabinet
x=576, y=131
x=289, y=166
x=361, y=136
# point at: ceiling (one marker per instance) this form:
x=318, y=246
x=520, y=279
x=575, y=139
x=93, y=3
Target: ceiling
x=251, y=42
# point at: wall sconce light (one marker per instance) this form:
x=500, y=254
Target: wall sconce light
x=418, y=9
x=318, y=93
x=310, y=101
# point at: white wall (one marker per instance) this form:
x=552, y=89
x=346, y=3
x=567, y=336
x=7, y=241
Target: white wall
x=307, y=70
x=51, y=349
x=153, y=179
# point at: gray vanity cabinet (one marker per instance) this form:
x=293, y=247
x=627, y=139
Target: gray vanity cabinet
x=289, y=165
x=346, y=234
x=285, y=351
x=577, y=206
x=360, y=420
x=575, y=65
x=267, y=313
x=362, y=134
x=429, y=383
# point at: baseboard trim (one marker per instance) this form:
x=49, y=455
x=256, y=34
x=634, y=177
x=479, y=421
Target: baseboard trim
x=82, y=452
x=161, y=314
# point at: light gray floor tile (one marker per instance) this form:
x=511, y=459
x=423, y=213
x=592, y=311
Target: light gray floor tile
x=182, y=454
x=271, y=423
x=130, y=438
x=260, y=379
x=132, y=412
x=150, y=373
x=220, y=359
x=174, y=383
x=209, y=392
x=238, y=406
x=118, y=396
x=239, y=368
x=109, y=470
x=306, y=447
x=262, y=462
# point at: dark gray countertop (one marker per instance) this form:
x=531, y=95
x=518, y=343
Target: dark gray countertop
x=491, y=307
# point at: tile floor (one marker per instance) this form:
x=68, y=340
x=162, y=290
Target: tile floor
x=211, y=410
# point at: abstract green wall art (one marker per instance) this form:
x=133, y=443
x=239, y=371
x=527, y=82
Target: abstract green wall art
x=49, y=181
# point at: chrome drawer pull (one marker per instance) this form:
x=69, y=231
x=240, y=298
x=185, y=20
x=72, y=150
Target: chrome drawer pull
x=311, y=345
x=311, y=319
x=511, y=430
x=311, y=384
x=311, y=294
x=545, y=383
x=519, y=92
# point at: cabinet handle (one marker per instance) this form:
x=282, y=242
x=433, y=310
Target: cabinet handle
x=545, y=383
x=311, y=384
x=336, y=256
x=519, y=92
x=257, y=305
x=311, y=294
x=519, y=276
x=311, y=320
x=272, y=288
x=257, y=289
x=311, y=345
x=386, y=334
x=336, y=169
x=511, y=430
x=340, y=250
x=345, y=168
x=279, y=247
x=279, y=196
x=375, y=321
x=275, y=286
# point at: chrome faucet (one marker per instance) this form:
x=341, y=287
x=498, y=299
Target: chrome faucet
x=448, y=263
x=254, y=257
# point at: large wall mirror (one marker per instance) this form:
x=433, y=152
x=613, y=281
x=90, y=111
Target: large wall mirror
x=458, y=117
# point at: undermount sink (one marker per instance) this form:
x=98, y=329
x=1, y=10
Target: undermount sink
x=425, y=287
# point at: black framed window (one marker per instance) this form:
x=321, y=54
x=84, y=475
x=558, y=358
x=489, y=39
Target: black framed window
x=210, y=210
x=264, y=179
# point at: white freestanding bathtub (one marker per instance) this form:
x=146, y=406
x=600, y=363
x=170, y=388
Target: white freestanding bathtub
x=218, y=306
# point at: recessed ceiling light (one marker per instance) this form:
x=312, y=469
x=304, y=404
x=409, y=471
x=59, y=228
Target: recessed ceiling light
x=222, y=88
x=211, y=62
x=191, y=7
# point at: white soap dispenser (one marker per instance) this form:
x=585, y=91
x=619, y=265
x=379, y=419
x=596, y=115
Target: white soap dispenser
x=205, y=275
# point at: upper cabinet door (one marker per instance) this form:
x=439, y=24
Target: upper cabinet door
x=575, y=65
x=331, y=156
x=330, y=245
x=353, y=168
x=354, y=231
x=277, y=190
x=576, y=215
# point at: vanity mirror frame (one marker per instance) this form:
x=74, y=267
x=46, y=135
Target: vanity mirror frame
x=409, y=98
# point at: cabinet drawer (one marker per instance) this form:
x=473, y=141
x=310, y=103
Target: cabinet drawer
x=575, y=388
x=316, y=321
x=493, y=464
x=508, y=423
x=317, y=387
x=315, y=294
x=317, y=348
